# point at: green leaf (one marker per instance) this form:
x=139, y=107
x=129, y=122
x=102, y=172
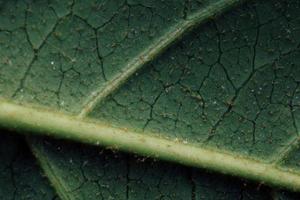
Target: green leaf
x=92, y=173
x=20, y=177
x=225, y=97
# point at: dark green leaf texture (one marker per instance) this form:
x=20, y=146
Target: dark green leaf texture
x=20, y=177
x=229, y=85
x=93, y=173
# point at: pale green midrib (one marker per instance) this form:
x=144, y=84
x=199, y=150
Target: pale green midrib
x=55, y=181
x=155, y=49
x=65, y=126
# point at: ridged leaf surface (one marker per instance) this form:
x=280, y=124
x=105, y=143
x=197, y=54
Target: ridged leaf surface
x=213, y=84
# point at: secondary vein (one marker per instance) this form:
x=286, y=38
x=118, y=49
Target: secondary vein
x=46, y=165
x=286, y=151
x=155, y=49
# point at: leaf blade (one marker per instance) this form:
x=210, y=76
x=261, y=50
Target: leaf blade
x=38, y=115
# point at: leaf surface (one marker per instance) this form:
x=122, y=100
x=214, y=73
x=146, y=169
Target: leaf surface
x=224, y=97
x=92, y=173
x=20, y=176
